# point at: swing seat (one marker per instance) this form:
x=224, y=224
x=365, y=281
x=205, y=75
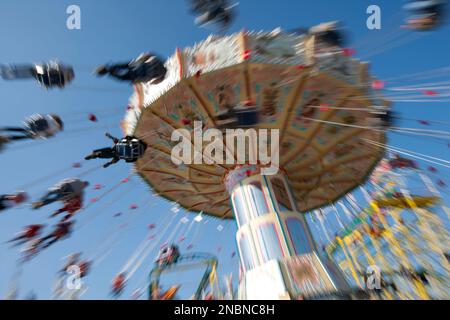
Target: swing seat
x=53, y=74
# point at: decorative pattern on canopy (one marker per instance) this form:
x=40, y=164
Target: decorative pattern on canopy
x=320, y=105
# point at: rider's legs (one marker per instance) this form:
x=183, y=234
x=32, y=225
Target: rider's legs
x=51, y=196
x=105, y=153
x=121, y=72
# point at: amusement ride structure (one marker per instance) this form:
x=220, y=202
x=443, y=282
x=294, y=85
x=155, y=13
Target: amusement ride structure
x=321, y=102
x=182, y=263
x=282, y=131
x=402, y=234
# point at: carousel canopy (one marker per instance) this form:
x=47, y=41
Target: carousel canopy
x=319, y=99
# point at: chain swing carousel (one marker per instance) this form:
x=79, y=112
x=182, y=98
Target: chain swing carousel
x=321, y=101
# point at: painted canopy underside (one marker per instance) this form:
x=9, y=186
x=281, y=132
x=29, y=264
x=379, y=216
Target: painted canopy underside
x=322, y=161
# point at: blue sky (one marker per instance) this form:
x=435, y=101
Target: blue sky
x=114, y=30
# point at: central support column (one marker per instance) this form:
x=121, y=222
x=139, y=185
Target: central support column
x=279, y=258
